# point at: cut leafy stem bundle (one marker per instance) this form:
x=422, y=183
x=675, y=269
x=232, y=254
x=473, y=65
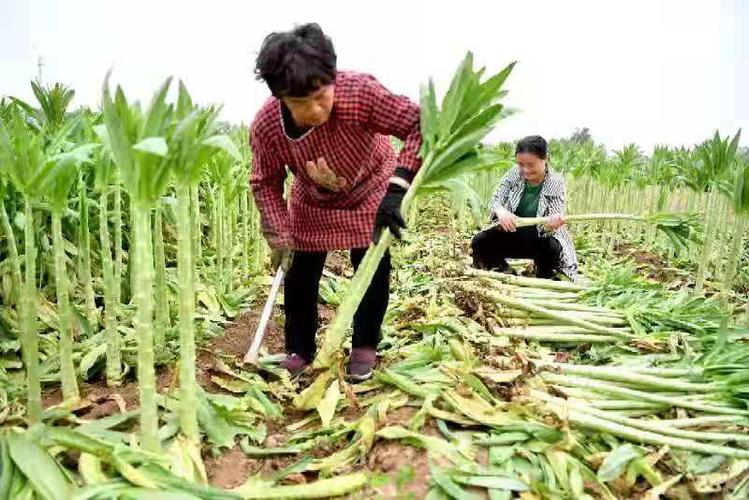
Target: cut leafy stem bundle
x=680, y=228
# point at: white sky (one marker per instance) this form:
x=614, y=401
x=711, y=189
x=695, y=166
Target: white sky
x=641, y=71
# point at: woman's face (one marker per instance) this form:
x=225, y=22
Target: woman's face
x=313, y=109
x=531, y=167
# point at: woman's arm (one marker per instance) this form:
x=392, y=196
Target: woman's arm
x=557, y=205
x=266, y=180
x=499, y=200
x=390, y=114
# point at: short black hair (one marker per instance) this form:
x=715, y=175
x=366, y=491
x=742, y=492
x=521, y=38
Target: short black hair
x=297, y=62
x=534, y=144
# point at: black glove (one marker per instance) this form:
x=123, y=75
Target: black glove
x=389, y=212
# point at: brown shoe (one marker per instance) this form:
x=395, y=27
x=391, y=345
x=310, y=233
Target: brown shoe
x=294, y=363
x=361, y=363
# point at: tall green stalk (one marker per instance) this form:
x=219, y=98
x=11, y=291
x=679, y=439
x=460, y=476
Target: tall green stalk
x=84, y=246
x=197, y=227
x=114, y=356
x=29, y=338
x=162, y=300
x=15, y=262
x=118, y=249
x=139, y=149
x=219, y=228
x=707, y=244
x=192, y=144
x=62, y=288
x=245, y=238
x=188, y=387
x=143, y=321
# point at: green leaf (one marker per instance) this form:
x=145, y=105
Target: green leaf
x=90, y=359
x=7, y=469
x=616, y=462
x=447, y=485
x=326, y=407
x=492, y=482
x=324, y=488
x=310, y=397
x=153, y=145
x=453, y=99
x=44, y=474
x=224, y=143
x=90, y=468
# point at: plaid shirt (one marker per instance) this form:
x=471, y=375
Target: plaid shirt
x=356, y=145
x=553, y=200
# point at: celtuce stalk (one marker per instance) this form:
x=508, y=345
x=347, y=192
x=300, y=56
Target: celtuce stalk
x=527, y=281
x=62, y=288
x=622, y=375
x=660, y=428
x=188, y=391
x=84, y=245
x=197, y=227
x=15, y=261
x=624, y=392
x=29, y=338
x=561, y=318
x=529, y=334
x=162, y=301
x=114, y=357
x=592, y=422
x=143, y=321
x=118, y=249
x=707, y=244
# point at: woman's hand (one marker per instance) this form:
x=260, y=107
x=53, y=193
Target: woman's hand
x=555, y=221
x=324, y=176
x=507, y=221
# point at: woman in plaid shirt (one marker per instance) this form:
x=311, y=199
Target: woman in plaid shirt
x=331, y=129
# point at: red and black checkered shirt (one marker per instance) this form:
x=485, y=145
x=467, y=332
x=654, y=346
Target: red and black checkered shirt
x=355, y=144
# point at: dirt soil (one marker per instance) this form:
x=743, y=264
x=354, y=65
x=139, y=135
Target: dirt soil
x=406, y=468
x=651, y=264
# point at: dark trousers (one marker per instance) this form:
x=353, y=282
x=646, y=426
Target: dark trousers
x=493, y=246
x=301, y=288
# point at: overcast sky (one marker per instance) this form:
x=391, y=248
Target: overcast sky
x=641, y=71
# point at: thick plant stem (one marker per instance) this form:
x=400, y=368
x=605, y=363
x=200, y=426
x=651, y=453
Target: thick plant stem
x=118, y=250
x=526, y=281
x=660, y=428
x=84, y=245
x=188, y=390
x=143, y=296
x=219, y=228
x=593, y=422
x=624, y=392
x=336, y=332
x=197, y=228
x=245, y=239
x=707, y=244
x=560, y=317
x=15, y=262
x=114, y=359
x=734, y=255
x=358, y=285
x=62, y=287
x=162, y=301
x=229, y=225
x=29, y=339
x=626, y=376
